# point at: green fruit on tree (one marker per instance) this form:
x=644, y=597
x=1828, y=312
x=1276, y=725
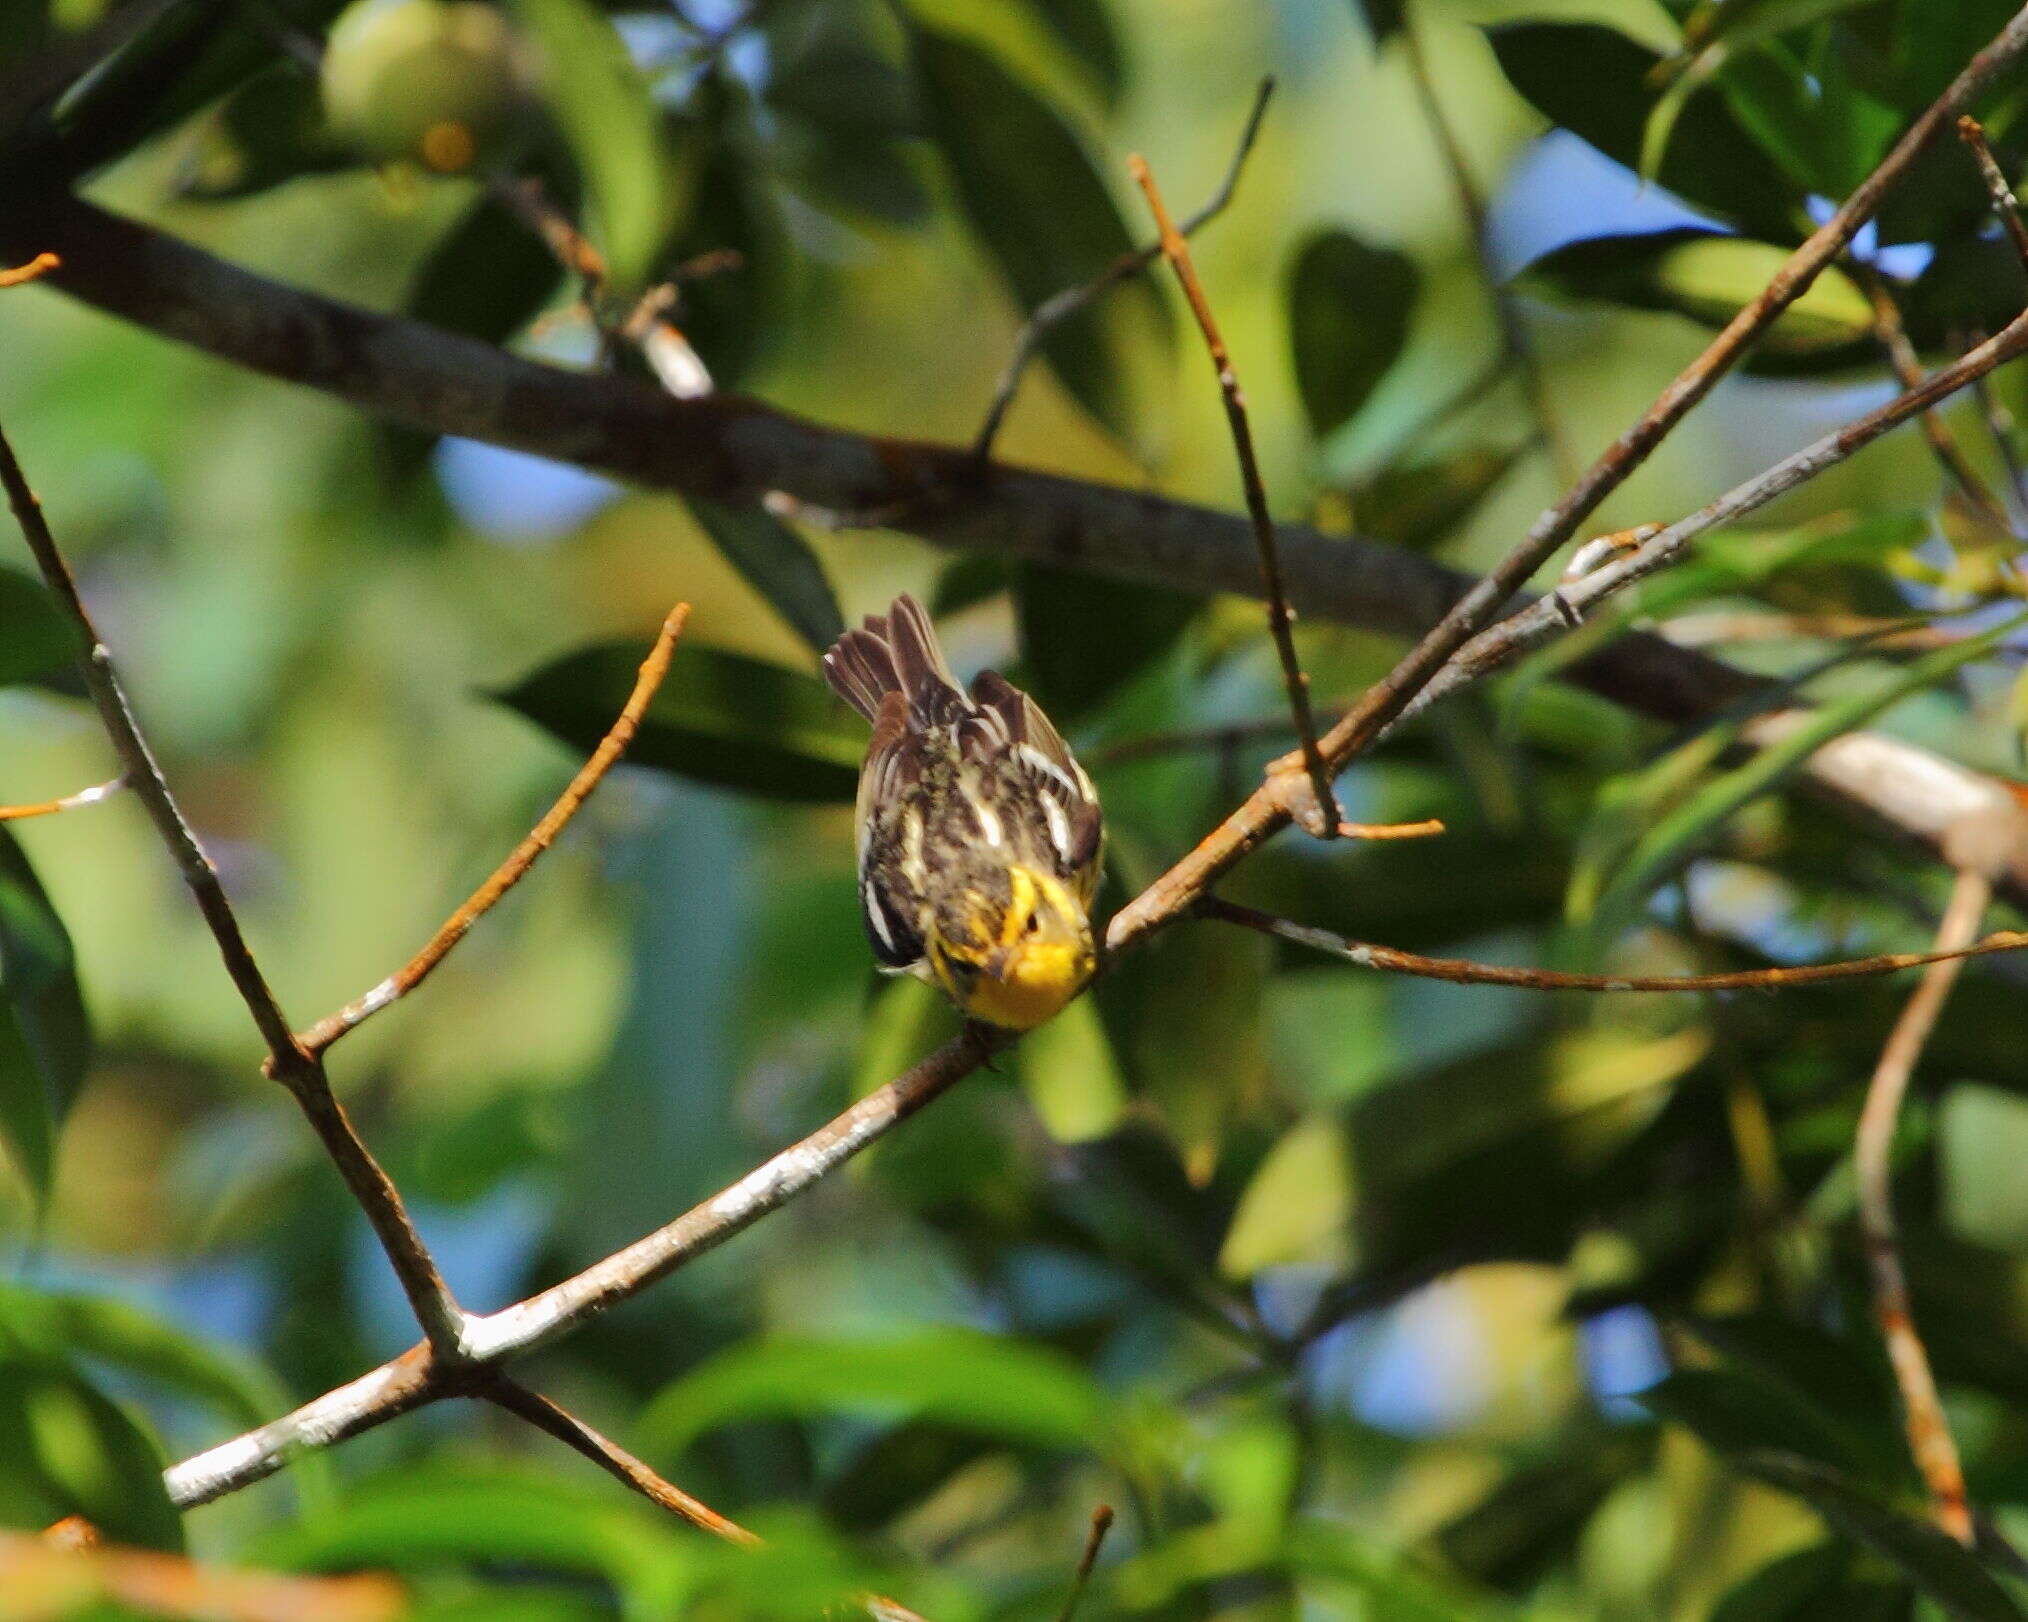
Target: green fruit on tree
x=443, y=83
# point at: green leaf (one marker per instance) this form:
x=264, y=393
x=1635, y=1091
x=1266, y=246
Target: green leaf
x=71, y=1450
x=1743, y=23
x=1981, y=1134
x=1734, y=1410
x=125, y=1337
x=1033, y=198
x=1004, y=1388
x=36, y=636
x=1083, y=637
x=1937, y=1564
x=1418, y=503
x=425, y=1515
x=1350, y=306
x=778, y=563
x=1594, y=82
x=1815, y=1582
x=268, y=132
x=1709, y=277
x=186, y=57
x=615, y=132
x=1086, y=29
x=1072, y=1078
x=1675, y=839
x=1383, y=18
x=1299, y=1206
x=487, y=277
x=45, y=1044
x=718, y=718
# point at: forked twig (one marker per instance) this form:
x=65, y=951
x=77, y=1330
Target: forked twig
x=1280, y=620
x=1463, y=972
x=1652, y=548
x=524, y=856
x=70, y=802
x=1054, y=311
x=288, y=1061
x=1929, y=1432
x=1891, y=334
x=1094, y=1540
x=412, y=1379
x=2005, y=203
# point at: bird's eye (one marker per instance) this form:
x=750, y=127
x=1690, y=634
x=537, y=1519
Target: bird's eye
x=1033, y=925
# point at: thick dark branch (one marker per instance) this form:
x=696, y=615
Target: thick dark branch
x=733, y=449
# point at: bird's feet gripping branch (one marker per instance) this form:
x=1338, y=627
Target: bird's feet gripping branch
x=980, y=838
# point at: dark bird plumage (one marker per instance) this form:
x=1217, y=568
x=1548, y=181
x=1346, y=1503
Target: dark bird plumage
x=979, y=834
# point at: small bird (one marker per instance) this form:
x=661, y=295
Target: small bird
x=979, y=834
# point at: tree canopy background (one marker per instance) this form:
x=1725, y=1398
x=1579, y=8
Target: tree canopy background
x=1356, y=1295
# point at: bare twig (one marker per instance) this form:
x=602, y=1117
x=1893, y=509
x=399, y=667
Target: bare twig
x=1892, y=336
x=1550, y=616
x=288, y=1061
x=40, y=265
x=2000, y=428
x=525, y=855
x=1929, y=1434
x=1054, y=311
x=729, y=449
x=2005, y=204
x=1514, y=337
x=615, y=1460
x=1461, y=971
x=411, y=1380
x=738, y=449
x=1094, y=1540
x=1280, y=620
x=70, y=802
x=1392, y=695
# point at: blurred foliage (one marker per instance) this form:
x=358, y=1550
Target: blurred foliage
x=1359, y=1297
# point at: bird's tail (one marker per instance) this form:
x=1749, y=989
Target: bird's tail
x=894, y=652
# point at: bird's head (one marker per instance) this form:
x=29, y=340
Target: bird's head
x=1015, y=963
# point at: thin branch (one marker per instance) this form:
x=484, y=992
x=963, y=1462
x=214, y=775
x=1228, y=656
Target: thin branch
x=1892, y=336
x=412, y=1379
x=20, y=275
x=70, y=802
x=1391, y=696
x=1094, y=1540
x=1054, y=311
x=735, y=448
x=1463, y=972
x=288, y=1061
x=2005, y=204
x=525, y=855
x=1929, y=1434
x=2000, y=428
x=730, y=449
x=1514, y=337
x=615, y=1460
x=1567, y=606
x=1280, y=620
